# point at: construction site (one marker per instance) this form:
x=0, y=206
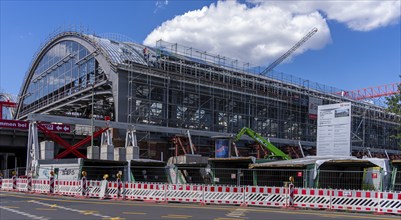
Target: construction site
x=183, y=97
x=97, y=107
x=174, y=86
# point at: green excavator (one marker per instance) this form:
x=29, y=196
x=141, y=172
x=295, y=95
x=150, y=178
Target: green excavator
x=276, y=153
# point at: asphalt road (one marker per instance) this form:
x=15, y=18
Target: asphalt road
x=31, y=206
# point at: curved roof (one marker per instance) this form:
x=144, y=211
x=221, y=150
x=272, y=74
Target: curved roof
x=120, y=52
x=111, y=52
x=115, y=52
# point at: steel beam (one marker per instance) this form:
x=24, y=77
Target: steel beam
x=149, y=128
x=59, y=140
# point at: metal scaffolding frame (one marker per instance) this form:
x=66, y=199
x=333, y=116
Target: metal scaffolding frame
x=173, y=86
x=180, y=92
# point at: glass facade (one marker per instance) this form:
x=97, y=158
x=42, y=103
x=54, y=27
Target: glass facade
x=66, y=67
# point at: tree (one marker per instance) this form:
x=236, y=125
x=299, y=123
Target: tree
x=394, y=105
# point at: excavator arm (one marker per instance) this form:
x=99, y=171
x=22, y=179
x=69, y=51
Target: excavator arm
x=252, y=134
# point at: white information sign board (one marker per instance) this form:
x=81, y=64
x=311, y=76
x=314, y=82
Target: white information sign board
x=334, y=130
x=62, y=171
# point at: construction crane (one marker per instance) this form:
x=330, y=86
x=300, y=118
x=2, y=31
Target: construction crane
x=289, y=52
x=273, y=149
x=372, y=92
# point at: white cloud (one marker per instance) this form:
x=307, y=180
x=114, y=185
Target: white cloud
x=363, y=15
x=262, y=31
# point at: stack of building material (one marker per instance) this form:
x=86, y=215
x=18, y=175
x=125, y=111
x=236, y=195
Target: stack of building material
x=132, y=153
x=107, y=152
x=47, y=150
x=92, y=152
x=120, y=154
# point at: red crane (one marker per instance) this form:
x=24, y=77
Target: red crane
x=372, y=92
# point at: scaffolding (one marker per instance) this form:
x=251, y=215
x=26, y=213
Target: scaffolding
x=182, y=87
x=193, y=89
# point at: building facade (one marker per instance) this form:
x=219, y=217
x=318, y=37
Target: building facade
x=180, y=87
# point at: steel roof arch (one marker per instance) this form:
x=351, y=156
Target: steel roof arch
x=89, y=42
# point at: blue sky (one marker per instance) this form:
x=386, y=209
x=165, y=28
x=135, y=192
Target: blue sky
x=346, y=53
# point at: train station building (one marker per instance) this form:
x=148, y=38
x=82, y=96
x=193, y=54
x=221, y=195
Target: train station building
x=173, y=86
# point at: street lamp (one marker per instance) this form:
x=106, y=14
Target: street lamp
x=92, y=118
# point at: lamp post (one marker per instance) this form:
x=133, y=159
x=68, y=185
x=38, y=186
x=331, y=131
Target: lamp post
x=92, y=118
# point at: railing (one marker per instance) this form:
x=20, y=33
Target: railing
x=203, y=57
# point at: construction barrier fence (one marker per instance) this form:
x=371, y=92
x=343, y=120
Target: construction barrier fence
x=265, y=196
x=374, y=180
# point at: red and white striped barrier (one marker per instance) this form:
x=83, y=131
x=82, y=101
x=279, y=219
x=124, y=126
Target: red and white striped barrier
x=68, y=187
x=353, y=200
x=120, y=187
x=84, y=186
x=22, y=184
x=51, y=189
x=184, y=193
x=14, y=178
x=312, y=198
x=112, y=190
x=7, y=185
x=144, y=191
x=265, y=196
x=365, y=201
x=29, y=185
x=389, y=202
x=224, y=195
x=291, y=195
x=40, y=186
x=94, y=188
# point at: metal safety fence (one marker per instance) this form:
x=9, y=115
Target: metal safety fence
x=376, y=180
x=334, y=179
x=264, y=196
x=397, y=182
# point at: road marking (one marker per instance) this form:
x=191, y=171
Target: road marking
x=134, y=213
x=74, y=210
x=237, y=213
x=88, y=212
x=176, y=216
x=229, y=219
x=114, y=218
x=46, y=209
x=24, y=213
x=11, y=207
x=228, y=208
